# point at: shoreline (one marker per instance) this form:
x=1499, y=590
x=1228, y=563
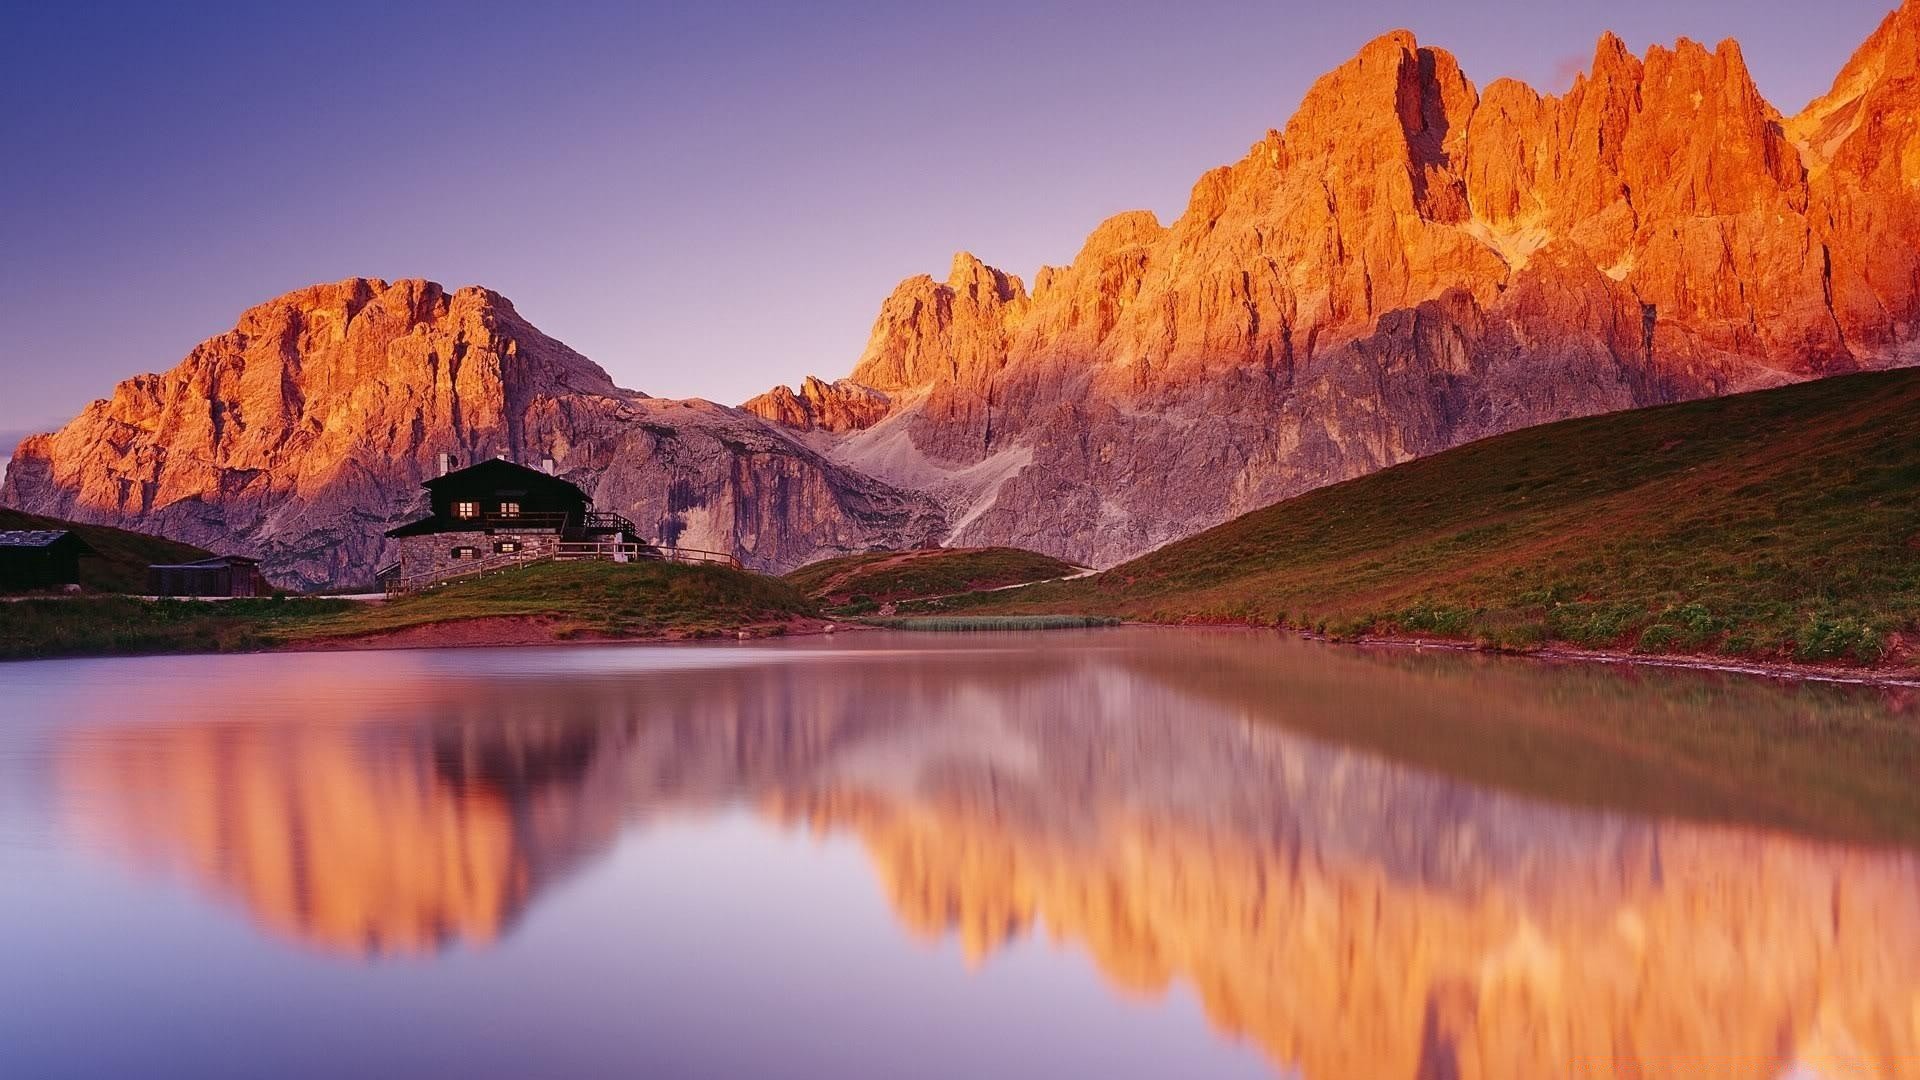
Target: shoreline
x=1767, y=669
x=537, y=631
x=534, y=631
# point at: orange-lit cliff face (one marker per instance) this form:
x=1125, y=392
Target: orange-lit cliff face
x=1411, y=263
x=1414, y=262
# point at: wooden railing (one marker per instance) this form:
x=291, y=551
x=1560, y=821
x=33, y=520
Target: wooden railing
x=606, y=519
x=696, y=555
x=612, y=550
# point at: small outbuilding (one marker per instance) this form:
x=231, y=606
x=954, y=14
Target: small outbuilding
x=40, y=559
x=224, y=575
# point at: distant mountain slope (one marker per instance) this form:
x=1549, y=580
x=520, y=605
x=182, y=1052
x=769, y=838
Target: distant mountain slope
x=121, y=557
x=863, y=582
x=1782, y=523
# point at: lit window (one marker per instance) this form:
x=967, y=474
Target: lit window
x=466, y=510
x=509, y=509
x=466, y=553
x=506, y=547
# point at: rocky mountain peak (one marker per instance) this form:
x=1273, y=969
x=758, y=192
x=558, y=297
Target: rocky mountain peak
x=1405, y=264
x=982, y=283
x=1879, y=78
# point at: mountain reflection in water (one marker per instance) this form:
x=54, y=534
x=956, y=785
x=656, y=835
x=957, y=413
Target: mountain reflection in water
x=1368, y=864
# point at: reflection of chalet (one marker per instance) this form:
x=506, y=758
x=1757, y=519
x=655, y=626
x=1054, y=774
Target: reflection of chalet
x=498, y=514
x=40, y=559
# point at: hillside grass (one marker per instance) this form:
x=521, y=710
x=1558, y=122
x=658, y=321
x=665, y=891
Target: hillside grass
x=569, y=600
x=122, y=557
x=1781, y=525
x=857, y=584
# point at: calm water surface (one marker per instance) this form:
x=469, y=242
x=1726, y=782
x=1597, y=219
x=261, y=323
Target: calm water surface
x=1105, y=854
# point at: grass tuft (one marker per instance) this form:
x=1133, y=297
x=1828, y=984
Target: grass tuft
x=951, y=623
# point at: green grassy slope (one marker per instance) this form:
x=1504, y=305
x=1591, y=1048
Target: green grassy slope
x=123, y=557
x=1781, y=524
x=858, y=583
x=552, y=600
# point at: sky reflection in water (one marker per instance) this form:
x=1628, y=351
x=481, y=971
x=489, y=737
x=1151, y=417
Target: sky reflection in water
x=1133, y=853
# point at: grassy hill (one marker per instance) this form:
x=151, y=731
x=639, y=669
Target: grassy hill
x=1782, y=524
x=123, y=557
x=862, y=583
x=543, y=602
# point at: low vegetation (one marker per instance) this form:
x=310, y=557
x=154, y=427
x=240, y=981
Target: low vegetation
x=968, y=623
x=560, y=601
x=1779, y=525
x=859, y=584
x=121, y=558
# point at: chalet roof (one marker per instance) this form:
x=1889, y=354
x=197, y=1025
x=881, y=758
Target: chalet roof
x=502, y=473
x=39, y=538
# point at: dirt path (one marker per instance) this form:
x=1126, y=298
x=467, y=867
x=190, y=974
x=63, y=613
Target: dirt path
x=1077, y=575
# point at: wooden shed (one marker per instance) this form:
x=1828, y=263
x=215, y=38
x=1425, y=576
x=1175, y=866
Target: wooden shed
x=223, y=575
x=39, y=559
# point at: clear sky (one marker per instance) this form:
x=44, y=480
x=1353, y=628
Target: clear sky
x=707, y=198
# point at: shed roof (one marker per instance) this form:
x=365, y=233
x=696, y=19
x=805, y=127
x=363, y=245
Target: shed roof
x=39, y=538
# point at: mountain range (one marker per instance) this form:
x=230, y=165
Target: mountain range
x=1412, y=263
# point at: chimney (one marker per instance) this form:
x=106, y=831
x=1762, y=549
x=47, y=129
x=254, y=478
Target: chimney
x=546, y=465
x=446, y=463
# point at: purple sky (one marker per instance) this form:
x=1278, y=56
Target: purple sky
x=705, y=198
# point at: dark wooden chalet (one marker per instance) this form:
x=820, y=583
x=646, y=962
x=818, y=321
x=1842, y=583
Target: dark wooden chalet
x=223, y=575
x=496, y=513
x=40, y=559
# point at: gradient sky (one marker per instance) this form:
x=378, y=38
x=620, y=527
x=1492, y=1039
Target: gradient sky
x=706, y=198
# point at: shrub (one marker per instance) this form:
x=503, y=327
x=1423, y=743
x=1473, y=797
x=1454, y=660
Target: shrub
x=1826, y=637
x=1426, y=617
x=1593, y=625
x=1684, y=626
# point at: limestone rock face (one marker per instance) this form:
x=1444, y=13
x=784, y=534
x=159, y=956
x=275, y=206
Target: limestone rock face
x=1410, y=264
x=303, y=433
